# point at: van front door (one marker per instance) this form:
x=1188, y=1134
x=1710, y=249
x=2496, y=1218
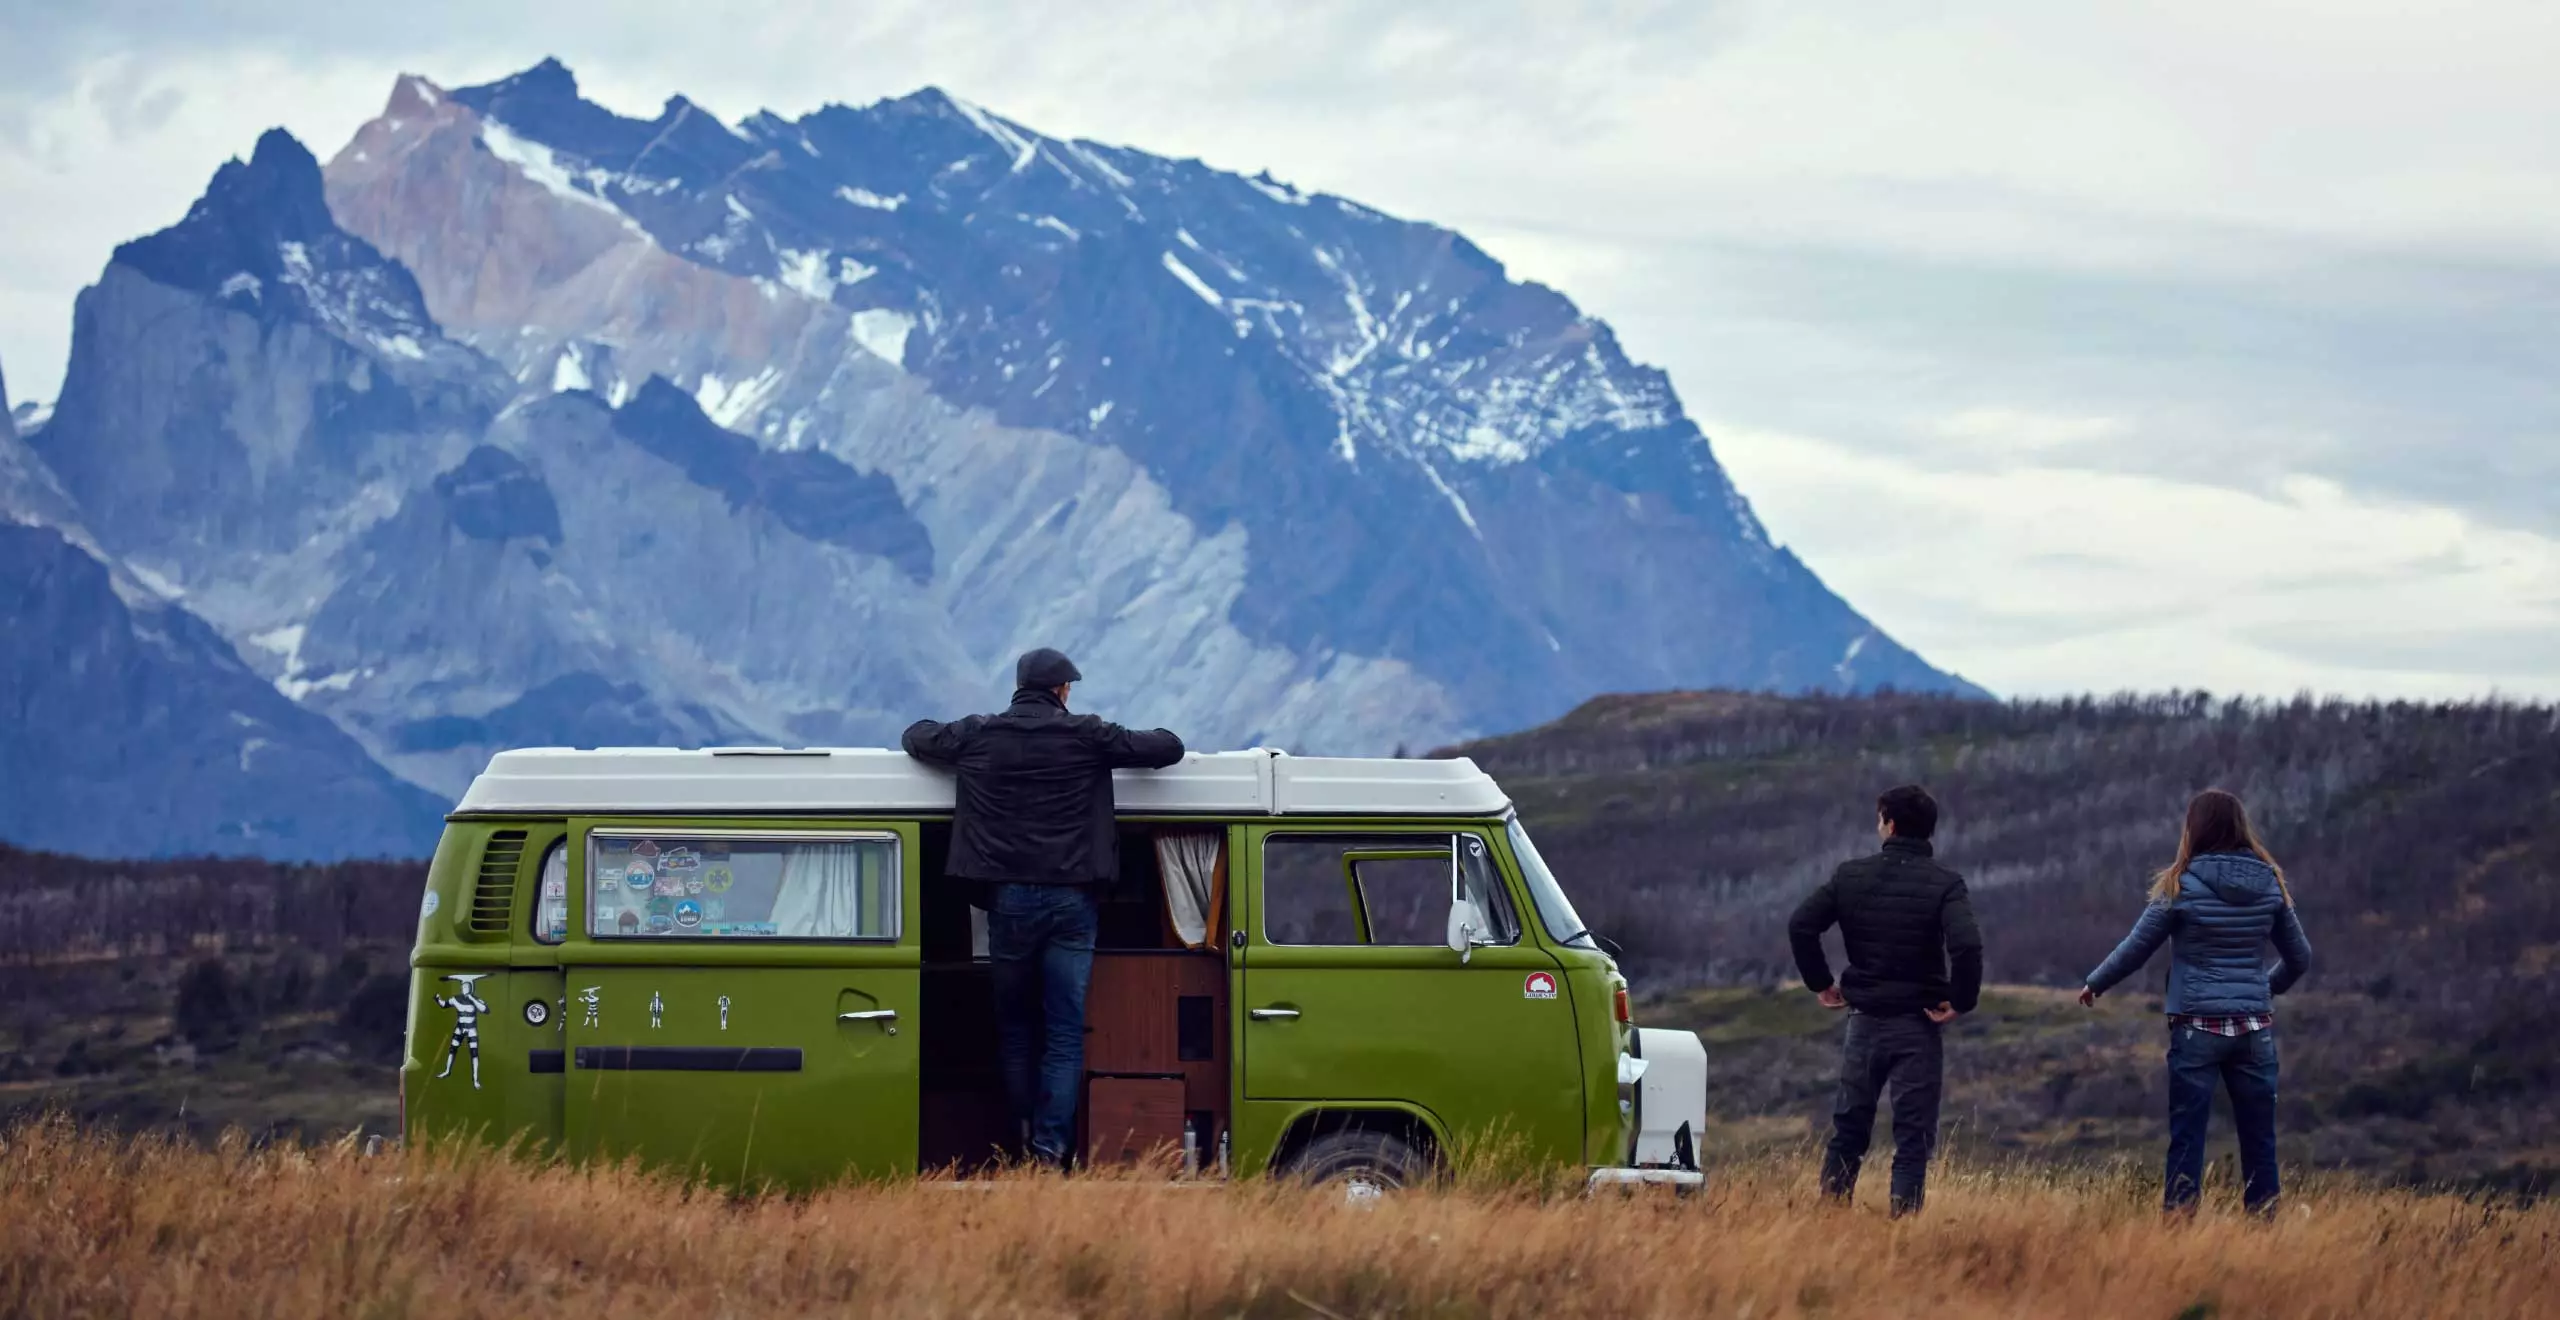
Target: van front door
x=742, y=1003
x=1350, y=993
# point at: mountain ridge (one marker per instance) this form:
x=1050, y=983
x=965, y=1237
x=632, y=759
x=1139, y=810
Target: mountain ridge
x=523, y=416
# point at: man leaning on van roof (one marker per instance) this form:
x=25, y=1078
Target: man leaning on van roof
x=1033, y=821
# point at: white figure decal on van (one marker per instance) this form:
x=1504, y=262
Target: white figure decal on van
x=724, y=1012
x=657, y=1011
x=467, y=1006
x=591, y=999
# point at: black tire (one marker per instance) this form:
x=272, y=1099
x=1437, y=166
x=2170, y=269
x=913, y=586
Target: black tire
x=1360, y=1162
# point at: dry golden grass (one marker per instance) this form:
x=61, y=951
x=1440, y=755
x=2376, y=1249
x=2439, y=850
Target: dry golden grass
x=92, y=1224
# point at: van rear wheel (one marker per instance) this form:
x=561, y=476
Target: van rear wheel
x=1364, y=1165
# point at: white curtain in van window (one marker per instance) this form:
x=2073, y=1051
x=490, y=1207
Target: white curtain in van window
x=822, y=893
x=1189, y=860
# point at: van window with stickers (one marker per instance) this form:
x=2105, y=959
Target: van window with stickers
x=1384, y=889
x=738, y=886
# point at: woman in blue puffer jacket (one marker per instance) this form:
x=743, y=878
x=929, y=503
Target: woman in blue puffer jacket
x=2218, y=907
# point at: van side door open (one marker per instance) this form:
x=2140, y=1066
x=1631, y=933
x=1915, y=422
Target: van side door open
x=742, y=1002
x=1351, y=995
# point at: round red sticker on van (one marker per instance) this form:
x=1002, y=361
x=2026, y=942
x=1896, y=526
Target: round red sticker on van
x=1540, y=985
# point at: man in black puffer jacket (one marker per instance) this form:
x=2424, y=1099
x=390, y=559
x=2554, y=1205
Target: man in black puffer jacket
x=1033, y=823
x=1903, y=918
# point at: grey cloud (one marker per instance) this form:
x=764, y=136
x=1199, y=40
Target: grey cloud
x=2403, y=376
x=2411, y=645
x=1514, y=61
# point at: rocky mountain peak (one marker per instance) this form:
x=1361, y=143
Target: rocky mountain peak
x=547, y=83
x=262, y=240
x=249, y=209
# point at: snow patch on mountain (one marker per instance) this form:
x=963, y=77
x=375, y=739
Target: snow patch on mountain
x=543, y=166
x=1193, y=282
x=1011, y=137
x=884, y=332
x=730, y=403
x=869, y=200
x=805, y=273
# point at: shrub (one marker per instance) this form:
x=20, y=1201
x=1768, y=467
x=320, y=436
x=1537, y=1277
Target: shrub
x=208, y=1007
x=375, y=1017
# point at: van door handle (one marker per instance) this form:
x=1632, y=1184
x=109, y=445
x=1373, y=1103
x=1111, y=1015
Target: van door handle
x=1271, y=1014
x=870, y=1015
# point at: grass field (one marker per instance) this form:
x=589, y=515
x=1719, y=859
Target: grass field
x=97, y=1224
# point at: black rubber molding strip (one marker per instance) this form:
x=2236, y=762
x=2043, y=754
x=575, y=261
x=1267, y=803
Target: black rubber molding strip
x=543, y=1061
x=688, y=1058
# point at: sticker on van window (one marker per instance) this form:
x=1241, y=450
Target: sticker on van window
x=1540, y=985
x=679, y=859
x=718, y=879
x=644, y=848
x=688, y=914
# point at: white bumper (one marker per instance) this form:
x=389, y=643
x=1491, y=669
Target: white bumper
x=1677, y=1179
x=1662, y=1086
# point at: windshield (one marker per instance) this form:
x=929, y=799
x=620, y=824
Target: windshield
x=1553, y=907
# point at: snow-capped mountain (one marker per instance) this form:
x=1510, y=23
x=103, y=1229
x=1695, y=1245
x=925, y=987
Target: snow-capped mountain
x=526, y=422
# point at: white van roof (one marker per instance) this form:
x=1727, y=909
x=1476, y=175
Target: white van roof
x=716, y=780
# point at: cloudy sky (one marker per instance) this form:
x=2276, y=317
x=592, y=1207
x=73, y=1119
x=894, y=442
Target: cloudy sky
x=2083, y=346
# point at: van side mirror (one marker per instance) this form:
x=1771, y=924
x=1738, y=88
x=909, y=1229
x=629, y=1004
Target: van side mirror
x=1466, y=929
x=1467, y=924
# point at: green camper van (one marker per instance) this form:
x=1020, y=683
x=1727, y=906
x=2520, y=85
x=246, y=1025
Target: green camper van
x=744, y=963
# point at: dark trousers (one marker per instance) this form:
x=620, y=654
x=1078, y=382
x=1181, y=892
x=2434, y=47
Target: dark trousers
x=1040, y=940
x=2246, y=1067
x=1903, y=1055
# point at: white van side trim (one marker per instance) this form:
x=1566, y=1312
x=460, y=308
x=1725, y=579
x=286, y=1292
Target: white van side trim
x=879, y=781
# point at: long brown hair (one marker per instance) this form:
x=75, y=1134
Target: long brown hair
x=2216, y=823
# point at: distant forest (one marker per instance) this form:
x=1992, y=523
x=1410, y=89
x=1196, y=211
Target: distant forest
x=54, y=907
x=2422, y=841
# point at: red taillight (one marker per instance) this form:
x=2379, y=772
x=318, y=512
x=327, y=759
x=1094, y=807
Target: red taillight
x=1623, y=1015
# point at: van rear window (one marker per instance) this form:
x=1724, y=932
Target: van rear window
x=551, y=902
x=695, y=886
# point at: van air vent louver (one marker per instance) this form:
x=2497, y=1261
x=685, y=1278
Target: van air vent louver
x=493, y=898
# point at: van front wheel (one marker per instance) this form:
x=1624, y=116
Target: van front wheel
x=1364, y=1165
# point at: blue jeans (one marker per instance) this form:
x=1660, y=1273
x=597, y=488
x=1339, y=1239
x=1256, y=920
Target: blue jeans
x=2246, y=1066
x=1040, y=938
